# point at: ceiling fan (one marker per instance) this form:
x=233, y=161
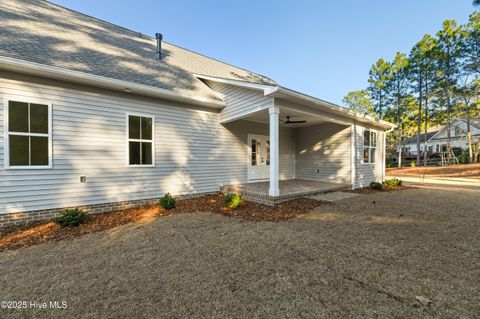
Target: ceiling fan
x=288, y=121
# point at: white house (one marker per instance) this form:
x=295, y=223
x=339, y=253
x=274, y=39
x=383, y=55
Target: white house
x=437, y=137
x=99, y=116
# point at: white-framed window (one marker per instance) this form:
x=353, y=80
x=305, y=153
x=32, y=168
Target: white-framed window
x=369, y=146
x=140, y=140
x=28, y=134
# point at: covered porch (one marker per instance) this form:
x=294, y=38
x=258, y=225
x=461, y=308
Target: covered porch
x=292, y=152
x=289, y=189
x=295, y=144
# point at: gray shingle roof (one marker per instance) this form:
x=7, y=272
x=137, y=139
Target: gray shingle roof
x=475, y=122
x=413, y=139
x=42, y=32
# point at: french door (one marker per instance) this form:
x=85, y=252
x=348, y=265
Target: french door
x=258, y=157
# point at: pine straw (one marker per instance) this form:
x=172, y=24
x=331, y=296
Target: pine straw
x=462, y=170
x=14, y=237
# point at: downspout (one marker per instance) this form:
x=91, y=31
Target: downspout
x=353, y=155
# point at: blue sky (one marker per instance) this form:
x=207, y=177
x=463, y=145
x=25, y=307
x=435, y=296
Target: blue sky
x=321, y=48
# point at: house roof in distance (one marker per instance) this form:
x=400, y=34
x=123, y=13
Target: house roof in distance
x=474, y=122
x=413, y=139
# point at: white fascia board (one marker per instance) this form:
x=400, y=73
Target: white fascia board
x=300, y=98
x=438, y=132
x=52, y=72
x=243, y=84
x=445, y=127
x=281, y=92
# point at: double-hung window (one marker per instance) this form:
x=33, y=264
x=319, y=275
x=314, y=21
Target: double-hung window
x=369, y=146
x=140, y=132
x=28, y=134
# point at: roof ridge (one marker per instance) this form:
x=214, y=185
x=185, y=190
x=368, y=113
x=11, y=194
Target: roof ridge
x=220, y=61
x=151, y=37
x=99, y=19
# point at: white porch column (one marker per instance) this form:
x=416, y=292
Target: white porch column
x=274, y=190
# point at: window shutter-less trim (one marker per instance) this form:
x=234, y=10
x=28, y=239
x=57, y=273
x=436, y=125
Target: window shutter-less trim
x=140, y=140
x=369, y=146
x=28, y=134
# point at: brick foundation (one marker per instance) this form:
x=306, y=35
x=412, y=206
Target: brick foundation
x=47, y=214
x=262, y=198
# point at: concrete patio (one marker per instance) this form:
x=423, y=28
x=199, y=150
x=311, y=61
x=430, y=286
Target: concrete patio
x=289, y=189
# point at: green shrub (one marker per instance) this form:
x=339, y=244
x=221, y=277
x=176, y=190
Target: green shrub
x=376, y=185
x=71, y=217
x=412, y=163
x=168, y=201
x=394, y=182
x=463, y=157
x=233, y=200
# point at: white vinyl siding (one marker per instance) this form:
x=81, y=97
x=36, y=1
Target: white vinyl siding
x=240, y=101
x=194, y=153
x=365, y=174
x=89, y=140
x=323, y=153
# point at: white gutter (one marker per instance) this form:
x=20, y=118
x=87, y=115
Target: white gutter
x=53, y=72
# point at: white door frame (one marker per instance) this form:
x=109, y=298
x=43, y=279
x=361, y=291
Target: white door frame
x=263, y=139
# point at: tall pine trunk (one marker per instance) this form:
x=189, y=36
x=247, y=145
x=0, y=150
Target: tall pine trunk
x=449, y=128
x=400, y=146
x=426, y=122
x=419, y=117
x=469, y=136
x=476, y=151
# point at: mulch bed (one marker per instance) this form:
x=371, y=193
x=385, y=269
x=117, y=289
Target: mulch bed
x=13, y=237
x=368, y=190
x=248, y=210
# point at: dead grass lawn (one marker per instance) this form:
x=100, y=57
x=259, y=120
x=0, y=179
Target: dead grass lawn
x=363, y=257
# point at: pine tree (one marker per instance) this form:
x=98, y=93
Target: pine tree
x=359, y=101
x=398, y=89
x=379, y=75
x=450, y=44
x=421, y=72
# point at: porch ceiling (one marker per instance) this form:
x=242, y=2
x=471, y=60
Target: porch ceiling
x=263, y=117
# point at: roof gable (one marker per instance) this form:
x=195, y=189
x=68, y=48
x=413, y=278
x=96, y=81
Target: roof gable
x=45, y=33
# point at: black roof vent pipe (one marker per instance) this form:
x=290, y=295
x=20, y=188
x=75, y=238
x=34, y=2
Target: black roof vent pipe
x=159, y=38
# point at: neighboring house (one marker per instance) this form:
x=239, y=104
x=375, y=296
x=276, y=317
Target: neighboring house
x=97, y=115
x=437, y=137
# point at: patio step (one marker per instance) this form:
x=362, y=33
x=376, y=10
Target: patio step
x=262, y=196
